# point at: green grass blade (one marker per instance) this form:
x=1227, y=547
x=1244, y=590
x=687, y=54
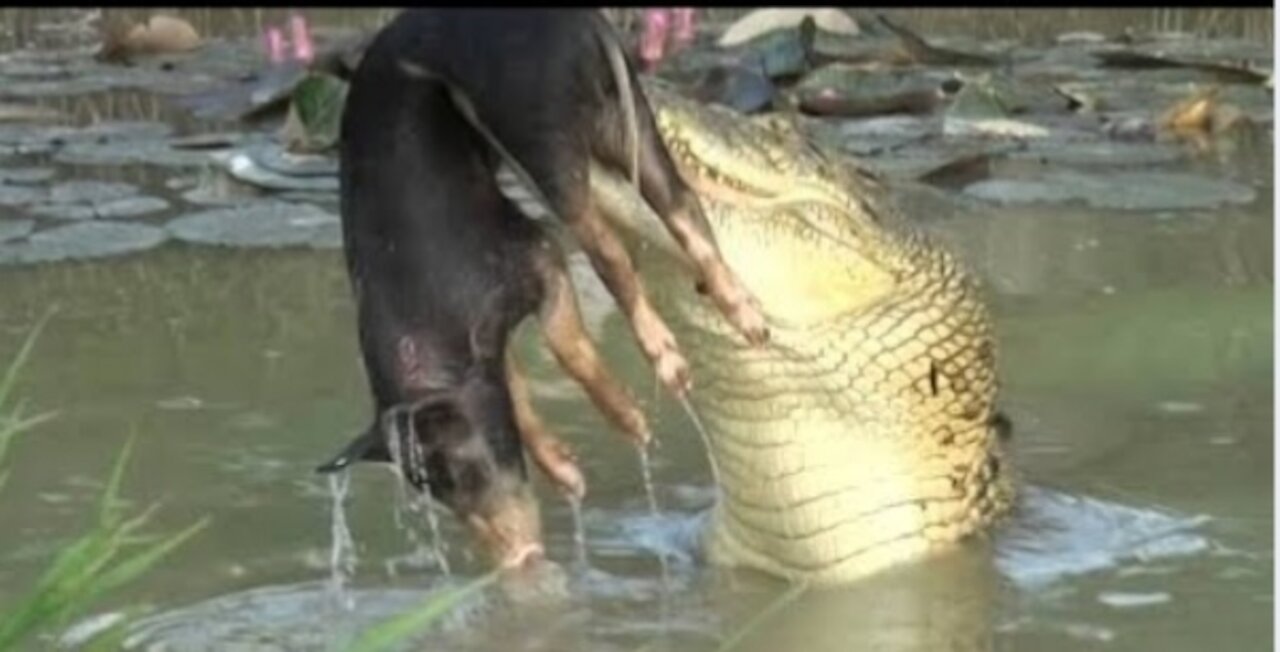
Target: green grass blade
x=401, y=628
x=132, y=568
x=11, y=374
x=12, y=424
x=107, y=509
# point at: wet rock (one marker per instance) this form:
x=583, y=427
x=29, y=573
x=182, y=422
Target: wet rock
x=158, y=34
x=265, y=224
x=742, y=88
x=1130, y=191
x=765, y=21
x=843, y=90
x=86, y=240
x=14, y=229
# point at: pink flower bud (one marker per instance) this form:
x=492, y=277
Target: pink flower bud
x=653, y=37
x=274, y=41
x=300, y=34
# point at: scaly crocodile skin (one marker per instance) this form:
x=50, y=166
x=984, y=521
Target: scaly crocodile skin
x=864, y=435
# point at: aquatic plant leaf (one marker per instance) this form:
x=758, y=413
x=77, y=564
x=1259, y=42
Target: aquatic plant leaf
x=316, y=113
x=405, y=626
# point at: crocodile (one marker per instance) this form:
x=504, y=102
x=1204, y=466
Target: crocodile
x=866, y=433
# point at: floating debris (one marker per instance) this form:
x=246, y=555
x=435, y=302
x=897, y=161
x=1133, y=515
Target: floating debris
x=1122, y=600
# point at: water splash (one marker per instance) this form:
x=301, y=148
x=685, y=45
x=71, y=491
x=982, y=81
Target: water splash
x=706, y=439
x=579, y=534
x=342, y=556
x=646, y=475
x=409, y=500
x=664, y=568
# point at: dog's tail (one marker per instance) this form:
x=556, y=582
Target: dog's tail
x=626, y=93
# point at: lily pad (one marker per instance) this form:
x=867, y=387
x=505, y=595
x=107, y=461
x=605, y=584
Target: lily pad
x=266, y=224
x=111, y=208
x=14, y=229
x=85, y=240
x=146, y=152
x=25, y=176
x=54, y=87
x=1103, y=153
x=20, y=195
x=1130, y=191
x=88, y=192
x=274, y=158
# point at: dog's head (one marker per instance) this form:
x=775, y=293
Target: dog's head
x=461, y=444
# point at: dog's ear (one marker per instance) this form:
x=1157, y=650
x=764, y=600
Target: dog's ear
x=368, y=446
x=371, y=445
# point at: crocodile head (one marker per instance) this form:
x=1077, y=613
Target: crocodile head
x=865, y=434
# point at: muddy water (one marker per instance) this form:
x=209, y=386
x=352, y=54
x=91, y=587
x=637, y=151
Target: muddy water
x=1137, y=352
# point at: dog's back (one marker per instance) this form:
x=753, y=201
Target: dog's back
x=428, y=236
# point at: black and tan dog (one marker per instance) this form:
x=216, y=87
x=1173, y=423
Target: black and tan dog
x=444, y=267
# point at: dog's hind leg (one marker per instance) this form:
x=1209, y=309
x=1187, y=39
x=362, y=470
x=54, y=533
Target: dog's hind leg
x=567, y=337
x=552, y=455
x=681, y=210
